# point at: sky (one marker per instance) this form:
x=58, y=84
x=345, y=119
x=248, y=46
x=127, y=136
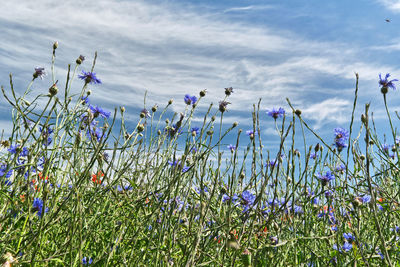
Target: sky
x=307, y=51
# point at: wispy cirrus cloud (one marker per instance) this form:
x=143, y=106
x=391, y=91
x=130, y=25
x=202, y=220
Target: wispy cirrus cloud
x=170, y=50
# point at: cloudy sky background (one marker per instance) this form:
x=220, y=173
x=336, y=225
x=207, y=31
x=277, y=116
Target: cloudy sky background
x=307, y=51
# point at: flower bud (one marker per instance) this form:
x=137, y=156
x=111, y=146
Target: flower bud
x=210, y=132
x=228, y=91
x=384, y=90
x=154, y=108
x=55, y=45
x=316, y=148
x=80, y=59
x=363, y=119
x=140, y=128
x=297, y=112
x=213, y=118
x=88, y=92
x=170, y=101
x=235, y=124
x=122, y=109
x=167, y=121
x=362, y=157
x=53, y=90
x=203, y=93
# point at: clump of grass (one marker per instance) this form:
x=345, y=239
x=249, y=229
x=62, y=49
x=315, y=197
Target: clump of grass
x=77, y=187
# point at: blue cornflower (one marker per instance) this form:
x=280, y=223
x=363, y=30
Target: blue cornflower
x=276, y=113
x=38, y=206
x=89, y=77
x=340, y=168
x=251, y=133
x=13, y=149
x=195, y=131
x=313, y=156
x=3, y=169
x=385, y=83
x=87, y=261
x=99, y=111
x=325, y=179
x=85, y=99
x=178, y=163
x=39, y=72
x=248, y=198
x=347, y=246
x=225, y=198
x=341, y=136
x=328, y=193
x=349, y=237
x=190, y=100
x=231, y=148
x=144, y=113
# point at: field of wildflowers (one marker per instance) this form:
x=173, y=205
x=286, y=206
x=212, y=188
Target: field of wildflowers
x=77, y=188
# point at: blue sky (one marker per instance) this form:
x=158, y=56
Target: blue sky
x=305, y=50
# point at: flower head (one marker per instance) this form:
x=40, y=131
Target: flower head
x=341, y=136
x=228, y=91
x=87, y=261
x=231, y=148
x=222, y=105
x=325, y=179
x=385, y=83
x=96, y=111
x=190, y=100
x=38, y=206
x=89, y=77
x=276, y=113
x=251, y=133
x=39, y=72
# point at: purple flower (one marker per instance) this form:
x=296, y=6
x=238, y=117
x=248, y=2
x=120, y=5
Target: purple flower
x=385, y=83
x=276, y=113
x=313, y=156
x=325, y=179
x=228, y=91
x=349, y=237
x=222, y=105
x=39, y=72
x=347, y=246
x=145, y=113
x=99, y=111
x=195, y=131
x=231, y=148
x=89, y=77
x=87, y=261
x=251, y=133
x=3, y=169
x=190, y=100
x=38, y=206
x=225, y=198
x=341, y=136
x=85, y=99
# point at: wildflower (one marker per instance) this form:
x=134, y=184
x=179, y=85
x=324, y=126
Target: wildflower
x=359, y=200
x=96, y=111
x=87, y=261
x=248, y=198
x=349, y=237
x=80, y=59
x=347, y=246
x=39, y=72
x=341, y=136
x=274, y=240
x=328, y=193
x=225, y=198
x=85, y=100
x=276, y=113
x=251, y=133
x=89, y=77
x=231, y=148
x=340, y=168
x=190, y=100
x=178, y=163
x=325, y=179
x=38, y=206
x=13, y=149
x=228, y=91
x=313, y=156
x=3, y=169
x=195, y=131
x=144, y=113
x=222, y=105
x=385, y=83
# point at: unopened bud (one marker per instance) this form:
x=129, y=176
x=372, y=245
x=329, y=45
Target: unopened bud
x=213, y=118
x=202, y=93
x=88, y=92
x=55, y=45
x=80, y=59
x=53, y=90
x=140, y=128
x=210, y=132
x=297, y=112
x=122, y=109
x=316, y=148
x=363, y=118
x=154, y=108
x=167, y=121
x=235, y=124
x=384, y=90
x=170, y=101
x=362, y=157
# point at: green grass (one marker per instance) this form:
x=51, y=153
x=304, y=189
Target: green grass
x=163, y=195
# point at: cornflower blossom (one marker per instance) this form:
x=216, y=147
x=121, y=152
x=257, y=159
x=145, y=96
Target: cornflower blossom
x=349, y=237
x=247, y=200
x=341, y=136
x=228, y=91
x=87, y=261
x=195, y=131
x=96, y=111
x=178, y=163
x=276, y=113
x=89, y=77
x=325, y=179
x=3, y=169
x=85, y=100
x=190, y=100
x=223, y=105
x=385, y=83
x=251, y=133
x=38, y=206
x=313, y=156
x=39, y=72
x=145, y=113
x=231, y=148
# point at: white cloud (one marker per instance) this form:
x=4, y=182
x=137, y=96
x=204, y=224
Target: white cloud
x=171, y=50
x=247, y=8
x=393, y=5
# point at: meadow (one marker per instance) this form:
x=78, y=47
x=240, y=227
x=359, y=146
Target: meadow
x=78, y=188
